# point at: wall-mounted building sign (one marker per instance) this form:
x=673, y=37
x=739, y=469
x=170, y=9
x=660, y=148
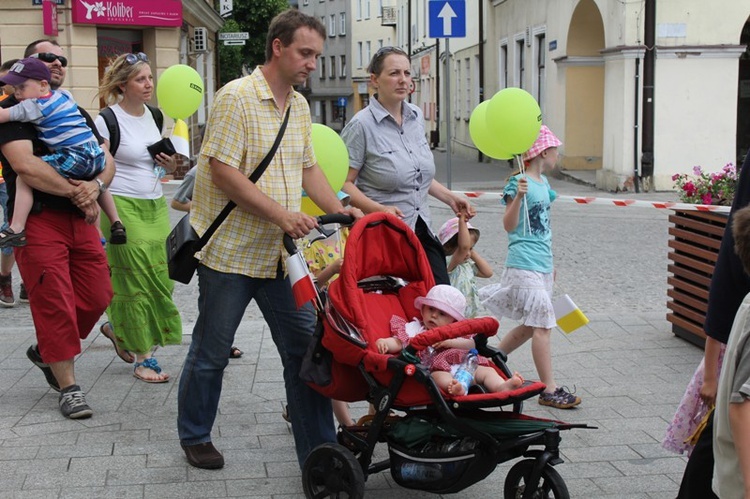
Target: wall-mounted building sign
x=49, y=18
x=131, y=12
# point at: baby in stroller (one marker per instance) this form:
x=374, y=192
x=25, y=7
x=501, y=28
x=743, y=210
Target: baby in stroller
x=444, y=305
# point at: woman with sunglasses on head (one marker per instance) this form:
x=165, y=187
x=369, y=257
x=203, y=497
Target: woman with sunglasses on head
x=391, y=167
x=142, y=314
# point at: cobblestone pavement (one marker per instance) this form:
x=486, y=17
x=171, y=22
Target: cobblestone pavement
x=625, y=364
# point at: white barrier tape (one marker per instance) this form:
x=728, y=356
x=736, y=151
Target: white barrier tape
x=662, y=205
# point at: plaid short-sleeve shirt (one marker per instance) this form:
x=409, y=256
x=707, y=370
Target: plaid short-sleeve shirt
x=240, y=131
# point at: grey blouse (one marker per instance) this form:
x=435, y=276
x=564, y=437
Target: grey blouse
x=395, y=163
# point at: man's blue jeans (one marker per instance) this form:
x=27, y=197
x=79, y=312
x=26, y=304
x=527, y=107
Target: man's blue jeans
x=222, y=301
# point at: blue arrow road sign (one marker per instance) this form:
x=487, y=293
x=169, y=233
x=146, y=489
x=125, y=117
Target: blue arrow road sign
x=447, y=18
x=342, y=102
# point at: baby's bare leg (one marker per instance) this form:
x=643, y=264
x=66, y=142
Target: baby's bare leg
x=446, y=382
x=493, y=382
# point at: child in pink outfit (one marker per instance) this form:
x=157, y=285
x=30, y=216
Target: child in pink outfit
x=444, y=305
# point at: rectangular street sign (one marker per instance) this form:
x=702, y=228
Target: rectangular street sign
x=447, y=18
x=239, y=35
x=234, y=42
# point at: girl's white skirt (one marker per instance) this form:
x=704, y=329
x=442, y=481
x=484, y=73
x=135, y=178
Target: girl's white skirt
x=522, y=295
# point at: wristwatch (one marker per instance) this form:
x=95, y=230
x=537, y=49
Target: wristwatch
x=102, y=186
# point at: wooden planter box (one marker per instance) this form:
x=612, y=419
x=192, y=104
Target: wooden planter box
x=696, y=237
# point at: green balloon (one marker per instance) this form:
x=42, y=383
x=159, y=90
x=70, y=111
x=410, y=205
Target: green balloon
x=180, y=91
x=332, y=155
x=481, y=135
x=514, y=119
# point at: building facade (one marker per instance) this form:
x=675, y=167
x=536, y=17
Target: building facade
x=356, y=29
x=583, y=60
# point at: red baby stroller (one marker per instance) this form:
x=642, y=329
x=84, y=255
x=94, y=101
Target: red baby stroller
x=442, y=444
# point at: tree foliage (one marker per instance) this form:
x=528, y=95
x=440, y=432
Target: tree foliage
x=252, y=16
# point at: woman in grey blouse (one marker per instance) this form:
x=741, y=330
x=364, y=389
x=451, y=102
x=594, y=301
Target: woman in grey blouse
x=391, y=167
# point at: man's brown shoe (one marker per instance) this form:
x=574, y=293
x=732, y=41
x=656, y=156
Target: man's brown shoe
x=204, y=456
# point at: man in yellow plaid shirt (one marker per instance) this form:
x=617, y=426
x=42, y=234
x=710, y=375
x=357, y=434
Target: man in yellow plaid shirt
x=244, y=259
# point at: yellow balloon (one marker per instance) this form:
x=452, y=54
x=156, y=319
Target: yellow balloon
x=481, y=135
x=514, y=119
x=311, y=208
x=331, y=153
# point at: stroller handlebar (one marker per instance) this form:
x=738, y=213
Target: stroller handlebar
x=486, y=326
x=335, y=218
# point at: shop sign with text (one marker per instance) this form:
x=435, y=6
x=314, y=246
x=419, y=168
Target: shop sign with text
x=132, y=12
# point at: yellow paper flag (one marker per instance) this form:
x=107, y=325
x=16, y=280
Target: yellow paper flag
x=180, y=138
x=569, y=316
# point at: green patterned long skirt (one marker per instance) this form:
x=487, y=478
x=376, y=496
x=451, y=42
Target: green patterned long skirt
x=142, y=312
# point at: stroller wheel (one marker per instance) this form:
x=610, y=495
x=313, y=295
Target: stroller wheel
x=551, y=484
x=331, y=470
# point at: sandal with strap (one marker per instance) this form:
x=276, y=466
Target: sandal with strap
x=235, y=353
x=152, y=364
x=108, y=332
x=117, y=234
x=9, y=238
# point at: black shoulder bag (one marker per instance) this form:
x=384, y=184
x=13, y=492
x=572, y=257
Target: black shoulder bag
x=183, y=242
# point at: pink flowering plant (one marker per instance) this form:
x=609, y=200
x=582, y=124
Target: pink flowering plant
x=707, y=188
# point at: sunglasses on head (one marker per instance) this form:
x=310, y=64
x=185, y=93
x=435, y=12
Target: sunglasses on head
x=50, y=57
x=133, y=58
x=382, y=51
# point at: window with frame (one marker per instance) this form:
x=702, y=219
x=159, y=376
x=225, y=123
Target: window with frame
x=520, y=66
x=342, y=24
x=305, y=2
x=457, y=91
x=368, y=51
x=336, y=113
x=504, y=65
x=322, y=68
x=332, y=67
x=540, y=42
x=342, y=66
x=360, y=55
x=367, y=9
x=359, y=10
x=332, y=25
x=467, y=88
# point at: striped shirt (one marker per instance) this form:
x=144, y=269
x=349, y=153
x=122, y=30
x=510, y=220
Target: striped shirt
x=242, y=127
x=56, y=118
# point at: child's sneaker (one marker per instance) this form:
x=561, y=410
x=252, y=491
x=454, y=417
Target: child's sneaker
x=561, y=398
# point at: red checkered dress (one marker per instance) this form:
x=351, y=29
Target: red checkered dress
x=444, y=359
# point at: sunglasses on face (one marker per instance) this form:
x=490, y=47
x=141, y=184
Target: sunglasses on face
x=133, y=58
x=50, y=57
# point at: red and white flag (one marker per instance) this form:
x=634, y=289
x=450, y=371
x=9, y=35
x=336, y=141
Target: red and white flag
x=303, y=286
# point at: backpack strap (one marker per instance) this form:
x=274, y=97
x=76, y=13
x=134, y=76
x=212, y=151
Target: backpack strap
x=158, y=116
x=114, y=128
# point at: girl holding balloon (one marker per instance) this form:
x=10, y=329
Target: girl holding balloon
x=142, y=314
x=525, y=289
x=391, y=167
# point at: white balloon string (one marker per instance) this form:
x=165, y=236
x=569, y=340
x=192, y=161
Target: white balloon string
x=527, y=221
